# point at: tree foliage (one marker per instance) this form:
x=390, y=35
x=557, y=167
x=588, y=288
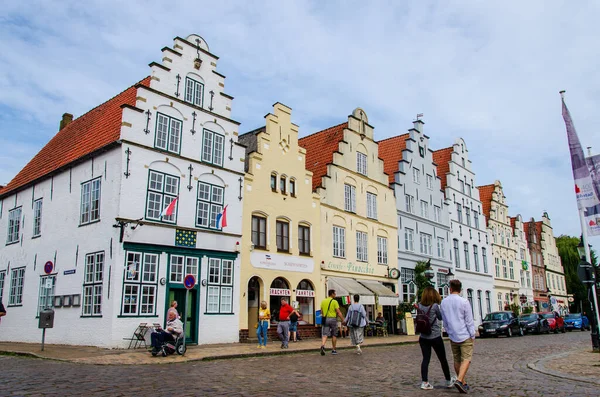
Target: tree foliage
x=421, y=281
x=567, y=250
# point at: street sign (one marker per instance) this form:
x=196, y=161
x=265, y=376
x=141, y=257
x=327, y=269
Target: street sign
x=48, y=267
x=189, y=281
x=571, y=299
x=553, y=301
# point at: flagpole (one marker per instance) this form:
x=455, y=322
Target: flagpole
x=588, y=259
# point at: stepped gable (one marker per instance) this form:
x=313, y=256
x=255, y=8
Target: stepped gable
x=390, y=151
x=485, y=195
x=88, y=133
x=538, y=230
x=513, y=220
x=320, y=147
x=442, y=159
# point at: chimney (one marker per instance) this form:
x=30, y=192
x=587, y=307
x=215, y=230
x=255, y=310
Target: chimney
x=66, y=120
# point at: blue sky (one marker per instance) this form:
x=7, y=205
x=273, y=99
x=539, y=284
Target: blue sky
x=487, y=71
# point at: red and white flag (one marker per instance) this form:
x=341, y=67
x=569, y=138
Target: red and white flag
x=170, y=209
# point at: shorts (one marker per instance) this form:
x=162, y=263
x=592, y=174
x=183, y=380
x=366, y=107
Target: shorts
x=462, y=351
x=330, y=327
x=293, y=326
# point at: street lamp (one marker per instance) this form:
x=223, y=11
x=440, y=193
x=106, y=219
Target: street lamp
x=585, y=272
x=449, y=275
x=429, y=273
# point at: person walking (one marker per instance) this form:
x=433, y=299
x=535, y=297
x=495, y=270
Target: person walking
x=430, y=307
x=263, y=324
x=283, y=327
x=294, y=317
x=458, y=321
x=330, y=311
x=356, y=331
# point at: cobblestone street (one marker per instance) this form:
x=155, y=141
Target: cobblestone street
x=500, y=368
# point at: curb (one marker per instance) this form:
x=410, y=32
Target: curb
x=538, y=366
x=32, y=355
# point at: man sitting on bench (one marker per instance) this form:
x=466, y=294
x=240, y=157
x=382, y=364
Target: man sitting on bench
x=160, y=336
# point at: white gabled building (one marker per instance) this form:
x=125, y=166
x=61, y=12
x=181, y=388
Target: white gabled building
x=423, y=222
x=471, y=254
x=523, y=267
x=83, y=222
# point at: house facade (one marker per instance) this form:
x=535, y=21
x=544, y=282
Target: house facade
x=358, y=215
x=469, y=244
x=281, y=248
x=555, y=274
x=523, y=263
x=108, y=219
x=533, y=232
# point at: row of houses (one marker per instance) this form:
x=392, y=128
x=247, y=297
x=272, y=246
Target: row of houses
x=156, y=184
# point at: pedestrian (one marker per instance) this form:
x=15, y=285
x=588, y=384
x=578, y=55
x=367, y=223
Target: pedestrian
x=356, y=331
x=173, y=309
x=2, y=310
x=294, y=317
x=283, y=327
x=263, y=324
x=330, y=311
x=458, y=321
x=430, y=306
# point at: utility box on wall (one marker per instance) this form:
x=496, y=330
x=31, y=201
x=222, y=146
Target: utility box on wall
x=46, y=318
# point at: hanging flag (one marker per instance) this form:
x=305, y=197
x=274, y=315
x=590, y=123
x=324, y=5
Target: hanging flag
x=584, y=189
x=169, y=209
x=592, y=214
x=222, y=218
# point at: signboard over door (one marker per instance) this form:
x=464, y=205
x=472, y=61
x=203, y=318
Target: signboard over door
x=280, y=292
x=282, y=262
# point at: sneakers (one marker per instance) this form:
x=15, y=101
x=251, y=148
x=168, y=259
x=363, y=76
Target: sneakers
x=426, y=386
x=358, y=350
x=450, y=383
x=333, y=352
x=263, y=346
x=259, y=346
x=462, y=387
x=322, y=350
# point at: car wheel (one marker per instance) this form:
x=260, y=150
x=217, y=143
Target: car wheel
x=582, y=328
x=509, y=332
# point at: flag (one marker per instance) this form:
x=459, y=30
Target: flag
x=584, y=189
x=592, y=214
x=170, y=209
x=222, y=218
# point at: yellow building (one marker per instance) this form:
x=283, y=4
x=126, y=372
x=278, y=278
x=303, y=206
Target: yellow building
x=281, y=225
x=359, y=231
x=555, y=273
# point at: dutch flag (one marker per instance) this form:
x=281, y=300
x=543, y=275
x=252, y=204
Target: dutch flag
x=170, y=209
x=222, y=218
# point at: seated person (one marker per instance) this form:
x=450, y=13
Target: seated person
x=379, y=320
x=160, y=336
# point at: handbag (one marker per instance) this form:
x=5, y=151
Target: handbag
x=323, y=318
x=256, y=325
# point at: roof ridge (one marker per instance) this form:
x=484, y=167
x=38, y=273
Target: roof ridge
x=329, y=128
x=444, y=148
x=392, y=137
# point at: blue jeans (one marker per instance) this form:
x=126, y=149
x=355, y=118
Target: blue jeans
x=261, y=332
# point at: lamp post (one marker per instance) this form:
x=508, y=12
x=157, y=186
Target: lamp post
x=586, y=274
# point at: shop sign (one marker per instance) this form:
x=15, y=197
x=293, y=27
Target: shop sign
x=280, y=292
x=282, y=262
x=305, y=292
x=350, y=267
x=442, y=270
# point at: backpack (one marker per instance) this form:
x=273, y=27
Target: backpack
x=355, y=318
x=422, y=324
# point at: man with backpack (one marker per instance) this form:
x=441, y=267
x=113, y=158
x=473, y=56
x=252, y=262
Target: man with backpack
x=330, y=311
x=458, y=321
x=356, y=320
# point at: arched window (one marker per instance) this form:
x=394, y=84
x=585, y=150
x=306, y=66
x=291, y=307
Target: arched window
x=279, y=289
x=305, y=296
x=470, y=299
x=274, y=181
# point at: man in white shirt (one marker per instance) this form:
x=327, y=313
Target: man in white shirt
x=458, y=322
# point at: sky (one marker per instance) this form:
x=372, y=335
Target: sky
x=487, y=71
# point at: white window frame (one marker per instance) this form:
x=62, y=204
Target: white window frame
x=456, y=249
x=91, y=193
x=2, y=280
x=362, y=253
x=194, y=92
x=409, y=239
x=213, y=147
x=382, y=252
x=409, y=288
x=140, y=284
x=476, y=257
x=14, y=226
x=361, y=163
x=425, y=240
x=349, y=198
x=209, y=204
x=93, y=278
x=45, y=297
x=459, y=212
x=162, y=190
x=168, y=133
x=476, y=219
x=441, y=249
x=429, y=181
x=416, y=175
x=467, y=256
x=468, y=215
x=437, y=213
x=371, y=205
x=37, y=217
x=17, y=281
x=424, y=209
x=442, y=285
x=339, y=242
x=219, y=293
x=410, y=203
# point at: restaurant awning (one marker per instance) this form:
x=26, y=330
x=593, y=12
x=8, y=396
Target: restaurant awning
x=386, y=296
x=349, y=286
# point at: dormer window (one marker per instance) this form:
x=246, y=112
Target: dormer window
x=194, y=91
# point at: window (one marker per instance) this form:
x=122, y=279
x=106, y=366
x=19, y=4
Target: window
x=476, y=257
x=470, y=299
x=219, y=294
x=442, y=285
x=304, y=240
x=429, y=181
x=292, y=187
x=479, y=302
x=14, y=225
x=371, y=206
x=349, y=198
x=504, y=269
x=180, y=265
x=15, y=294
x=339, y=242
x=274, y=182
x=361, y=163
x=500, y=301
x=409, y=288
x=162, y=190
x=209, y=204
x=522, y=254
x=462, y=186
x=467, y=258
x=456, y=254
x=484, y=257
x=497, y=261
x=90, y=201
x=409, y=239
x=425, y=243
x=416, y=175
x=213, y=148
x=488, y=301
x=382, y=257
x=440, y=247
x=2, y=278
x=168, y=133
x=410, y=203
x=92, y=284
x=459, y=212
x=522, y=278
x=46, y=293
x=361, y=247
x=193, y=91
x=512, y=270
x=37, y=218
x=469, y=194
x=282, y=188
x=282, y=236
x=437, y=213
x=476, y=219
x=468, y=215
x=424, y=209
x=259, y=232
x=140, y=284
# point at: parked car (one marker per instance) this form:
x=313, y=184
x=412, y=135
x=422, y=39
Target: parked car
x=534, y=322
x=500, y=323
x=576, y=321
x=556, y=322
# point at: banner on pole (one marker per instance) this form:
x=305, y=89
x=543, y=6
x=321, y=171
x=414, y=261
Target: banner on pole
x=592, y=214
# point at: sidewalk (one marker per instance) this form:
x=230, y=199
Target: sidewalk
x=100, y=356
x=579, y=365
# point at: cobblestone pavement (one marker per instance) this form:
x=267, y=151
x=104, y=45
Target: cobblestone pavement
x=500, y=368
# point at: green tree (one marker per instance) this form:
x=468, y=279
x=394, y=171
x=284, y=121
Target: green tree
x=567, y=250
x=421, y=281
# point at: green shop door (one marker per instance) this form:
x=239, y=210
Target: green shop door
x=191, y=317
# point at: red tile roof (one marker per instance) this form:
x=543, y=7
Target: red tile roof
x=513, y=220
x=390, y=151
x=485, y=195
x=94, y=130
x=442, y=158
x=526, y=230
x=538, y=230
x=320, y=147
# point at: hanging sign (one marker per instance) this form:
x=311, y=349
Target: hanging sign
x=280, y=292
x=189, y=281
x=48, y=267
x=305, y=292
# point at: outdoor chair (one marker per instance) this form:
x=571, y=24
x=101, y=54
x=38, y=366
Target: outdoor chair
x=382, y=329
x=139, y=336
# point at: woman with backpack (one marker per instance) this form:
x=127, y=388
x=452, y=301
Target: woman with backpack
x=356, y=320
x=428, y=324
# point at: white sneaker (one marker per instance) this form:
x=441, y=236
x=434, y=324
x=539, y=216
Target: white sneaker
x=426, y=386
x=450, y=383
x=358, y=351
